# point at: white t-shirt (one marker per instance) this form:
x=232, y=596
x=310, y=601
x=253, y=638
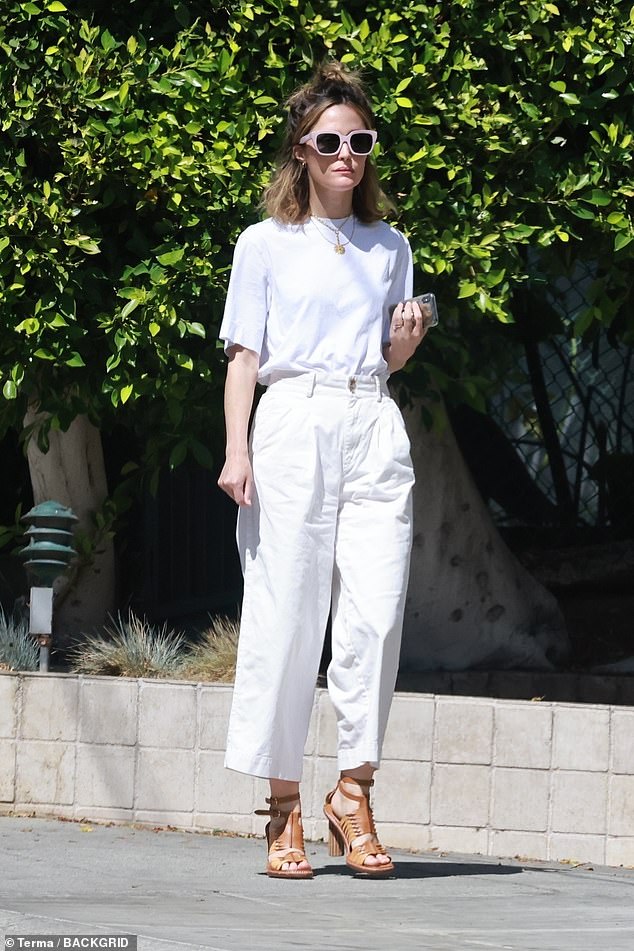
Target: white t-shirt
x=303, y=307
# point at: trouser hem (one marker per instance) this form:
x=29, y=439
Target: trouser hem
x=262, y=767
x=351, y=759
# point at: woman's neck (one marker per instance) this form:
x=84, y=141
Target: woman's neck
x=327, y=205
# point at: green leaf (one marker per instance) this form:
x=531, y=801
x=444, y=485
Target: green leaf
x=598, y=197
x=622, y=240
x=171, y=257
x=404, y=83
x=75, y=361
x=178, y=454
x=126, y=392
x=131, y=293
x=583, y=321
x=56, y=6
x=29, y=326
x=9, y=390
x=57, y=321
x=201, y=454
x=108, y=41
x=128, y=308
x=584, y=213
x=467, y=289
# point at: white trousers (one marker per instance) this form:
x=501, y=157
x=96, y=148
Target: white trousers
x=329, y=529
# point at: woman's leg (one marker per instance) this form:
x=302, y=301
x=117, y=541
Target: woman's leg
x=286, y=541
x=372, y=551
x=282, y=789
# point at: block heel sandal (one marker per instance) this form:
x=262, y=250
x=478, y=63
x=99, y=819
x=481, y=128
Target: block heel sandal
x=344, y=831
x=289, y=845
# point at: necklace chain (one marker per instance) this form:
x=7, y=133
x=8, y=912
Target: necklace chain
x=338, y=246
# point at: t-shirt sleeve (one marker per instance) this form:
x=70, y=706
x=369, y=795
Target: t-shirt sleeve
x=401, y=284
x=246, y=307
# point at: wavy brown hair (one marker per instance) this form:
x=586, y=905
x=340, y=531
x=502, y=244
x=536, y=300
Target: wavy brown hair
x=287, y=196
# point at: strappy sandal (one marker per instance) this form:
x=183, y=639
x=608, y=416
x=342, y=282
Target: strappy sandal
x=290, y=842
x=344, y=831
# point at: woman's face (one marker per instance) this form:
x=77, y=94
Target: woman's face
x=343, y=171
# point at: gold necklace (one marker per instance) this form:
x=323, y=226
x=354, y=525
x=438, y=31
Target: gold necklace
x=339, y=248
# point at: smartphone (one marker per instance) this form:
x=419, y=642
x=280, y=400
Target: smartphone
x=427, y=303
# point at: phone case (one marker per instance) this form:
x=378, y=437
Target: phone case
x=428, y=301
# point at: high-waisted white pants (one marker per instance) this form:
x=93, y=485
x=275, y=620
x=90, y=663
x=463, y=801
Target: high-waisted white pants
x=330, y=526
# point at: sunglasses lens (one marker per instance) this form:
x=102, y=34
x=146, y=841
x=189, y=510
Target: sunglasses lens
x=361, y=143
x=327, y=143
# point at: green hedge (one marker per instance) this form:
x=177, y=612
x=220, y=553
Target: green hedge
x=135, y=142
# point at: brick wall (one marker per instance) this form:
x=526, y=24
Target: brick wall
x=459, y=774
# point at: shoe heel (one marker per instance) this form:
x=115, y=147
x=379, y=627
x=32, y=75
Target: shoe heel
x=335, y=846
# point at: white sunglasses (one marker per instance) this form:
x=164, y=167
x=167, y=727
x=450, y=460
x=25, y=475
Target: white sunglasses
x=360, y=142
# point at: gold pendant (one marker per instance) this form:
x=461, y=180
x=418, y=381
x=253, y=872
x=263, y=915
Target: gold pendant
x=339, y=249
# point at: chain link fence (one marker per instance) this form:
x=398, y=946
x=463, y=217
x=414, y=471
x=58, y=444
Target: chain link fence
x=567, y=411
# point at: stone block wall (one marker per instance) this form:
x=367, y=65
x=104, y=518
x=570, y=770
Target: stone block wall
x=459, y=774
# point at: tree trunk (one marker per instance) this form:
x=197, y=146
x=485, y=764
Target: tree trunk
x=470, y=603
x=72, y=472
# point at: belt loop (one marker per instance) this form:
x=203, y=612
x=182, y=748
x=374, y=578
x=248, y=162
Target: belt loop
x=377, y=387
x=311, y=384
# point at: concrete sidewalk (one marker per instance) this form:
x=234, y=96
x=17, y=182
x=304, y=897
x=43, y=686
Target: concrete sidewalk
x=181, y=891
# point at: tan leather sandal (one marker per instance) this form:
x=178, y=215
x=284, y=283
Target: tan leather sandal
x=345, y=831
x=289, y=846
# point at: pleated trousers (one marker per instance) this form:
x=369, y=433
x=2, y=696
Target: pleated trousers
x=329, y=529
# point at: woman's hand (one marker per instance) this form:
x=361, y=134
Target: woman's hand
x=236, y=478
x=407, y=329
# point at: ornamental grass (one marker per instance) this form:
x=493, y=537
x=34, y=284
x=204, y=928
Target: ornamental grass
x=214, y=657
x=129, y=647
x=18, y=648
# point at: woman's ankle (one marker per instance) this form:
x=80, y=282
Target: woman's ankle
x=281, y=788
x=360, y=775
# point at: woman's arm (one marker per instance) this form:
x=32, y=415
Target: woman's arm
x=407, y=330
x=236, y=478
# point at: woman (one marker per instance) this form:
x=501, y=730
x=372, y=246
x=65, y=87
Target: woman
x=315, y=311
